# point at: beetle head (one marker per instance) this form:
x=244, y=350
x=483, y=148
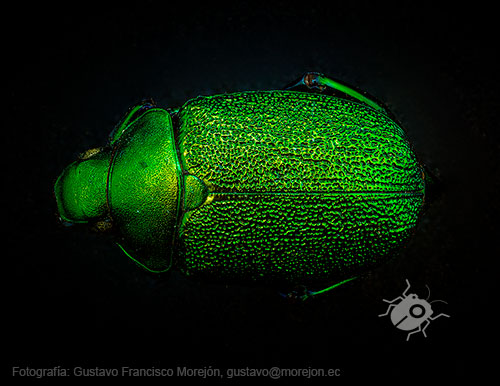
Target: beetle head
x=80, y=190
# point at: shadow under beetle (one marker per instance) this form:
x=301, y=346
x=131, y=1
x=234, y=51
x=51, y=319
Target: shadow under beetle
x=311, y=185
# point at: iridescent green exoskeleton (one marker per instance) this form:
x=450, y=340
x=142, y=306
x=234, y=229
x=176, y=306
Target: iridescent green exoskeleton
x=310, y=185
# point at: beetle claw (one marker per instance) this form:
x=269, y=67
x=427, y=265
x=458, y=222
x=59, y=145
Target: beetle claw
x=311, y=80
x=298, y=295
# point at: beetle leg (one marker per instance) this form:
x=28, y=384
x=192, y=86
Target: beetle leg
x=302, y=293
x=426, y=325
x=437, y=316
x=414, y=332
x=389, y=309
x=314, y=293
x=407, y=287
x=315, y=81
x=394, y=300
x=305, y=293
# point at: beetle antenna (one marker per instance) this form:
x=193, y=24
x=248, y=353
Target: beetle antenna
x=438, y=301
x=429, y=292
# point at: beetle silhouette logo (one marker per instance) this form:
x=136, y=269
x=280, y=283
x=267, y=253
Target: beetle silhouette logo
x=410, y=313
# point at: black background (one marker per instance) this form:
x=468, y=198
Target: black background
x=73, y=299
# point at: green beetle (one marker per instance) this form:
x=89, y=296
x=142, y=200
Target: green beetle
x=309, y=185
